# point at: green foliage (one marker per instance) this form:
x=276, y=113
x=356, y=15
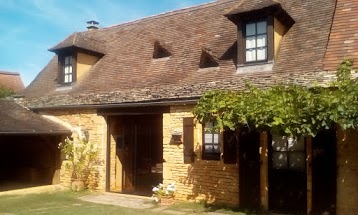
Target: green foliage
x=292, y=110
x=82, y=155
x=5, y=92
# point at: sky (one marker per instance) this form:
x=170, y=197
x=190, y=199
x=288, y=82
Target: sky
x=28, y=28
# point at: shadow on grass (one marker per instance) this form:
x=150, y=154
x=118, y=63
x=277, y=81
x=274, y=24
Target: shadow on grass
x=204, y=207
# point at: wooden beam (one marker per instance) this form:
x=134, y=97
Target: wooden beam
x=264, y=177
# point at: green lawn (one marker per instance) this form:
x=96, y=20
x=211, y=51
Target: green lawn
x=57, y=203
x=68, y=203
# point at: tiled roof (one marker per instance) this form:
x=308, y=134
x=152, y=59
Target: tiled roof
x=81, y=41
x=127, y=72
x=15, y=119
x=343, y=42
x=246, y=6
x=11, y=80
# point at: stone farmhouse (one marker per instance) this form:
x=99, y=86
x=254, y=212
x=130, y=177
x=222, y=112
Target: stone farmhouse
x=133, y=87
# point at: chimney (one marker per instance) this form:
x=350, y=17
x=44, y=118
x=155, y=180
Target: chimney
x=92, y=25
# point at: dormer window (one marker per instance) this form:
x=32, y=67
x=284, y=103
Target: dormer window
x=260, y=28
x=67, y=68
x=68, y=75
x=76, y=55
x=256, y=41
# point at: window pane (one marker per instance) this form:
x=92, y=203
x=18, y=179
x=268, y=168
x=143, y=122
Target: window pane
x=251, y=55
x=261, y=40
x=66, y=79
x=208, y=138
x=261, y=54
x=250, y=42
x=250, y=29
x=297, y=160
x=279, y=160
x=67, y=60
x=67, y=69
x=216, y=138
x=296, y=144
x=69, y=78
x=261, y=27
x=70, y=60
x=216, y=148
x=279, y=143
x=209, y=148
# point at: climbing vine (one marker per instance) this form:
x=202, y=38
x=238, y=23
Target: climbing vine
x=292, y=110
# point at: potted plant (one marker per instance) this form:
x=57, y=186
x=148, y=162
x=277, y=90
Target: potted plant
x=82, y=156
x=164, y=194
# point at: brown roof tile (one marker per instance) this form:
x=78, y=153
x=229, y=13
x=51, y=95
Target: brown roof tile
x=127, y=73
x=15, y=119
x=343, y=41
x=11, y=80
x=244, y=6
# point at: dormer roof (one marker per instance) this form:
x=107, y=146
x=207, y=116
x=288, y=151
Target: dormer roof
x=254, y=8
x=79, y=40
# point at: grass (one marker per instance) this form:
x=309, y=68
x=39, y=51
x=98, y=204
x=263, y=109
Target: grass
x=67, y=202
x=58, y=203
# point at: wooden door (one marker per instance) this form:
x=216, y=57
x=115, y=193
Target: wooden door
x=287, y=176
x=249, y=169
x=127, y=155
x=324, y=173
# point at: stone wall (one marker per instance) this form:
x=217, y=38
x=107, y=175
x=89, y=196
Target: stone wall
x=204, y=180
x=97, y=128
x=347, y=173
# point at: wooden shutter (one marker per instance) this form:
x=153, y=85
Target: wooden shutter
x=60, y=70
x=188, y=139
x=231, y=141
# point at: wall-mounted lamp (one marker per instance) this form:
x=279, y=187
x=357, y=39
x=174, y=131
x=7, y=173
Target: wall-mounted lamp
x=176, y=137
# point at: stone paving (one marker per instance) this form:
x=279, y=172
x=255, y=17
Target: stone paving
x=138, y=202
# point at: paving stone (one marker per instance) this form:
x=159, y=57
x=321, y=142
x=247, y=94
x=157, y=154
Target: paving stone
x=119, y=200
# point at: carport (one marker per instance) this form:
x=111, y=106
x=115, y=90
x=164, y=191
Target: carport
x=29, y=154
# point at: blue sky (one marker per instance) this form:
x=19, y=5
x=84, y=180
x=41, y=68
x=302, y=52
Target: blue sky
x=30, y=27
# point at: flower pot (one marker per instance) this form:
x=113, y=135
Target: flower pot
x=77, y=185
x=166, y=200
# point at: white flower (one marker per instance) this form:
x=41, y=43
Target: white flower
x=160, y=185
x=155, y=189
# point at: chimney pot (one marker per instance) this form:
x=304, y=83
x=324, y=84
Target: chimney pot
x=92, y=25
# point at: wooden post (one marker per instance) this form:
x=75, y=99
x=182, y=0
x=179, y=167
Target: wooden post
x=309, y=173
x=264, y=182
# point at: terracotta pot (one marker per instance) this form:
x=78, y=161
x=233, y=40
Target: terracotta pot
x=166, y=200
x=77, y=185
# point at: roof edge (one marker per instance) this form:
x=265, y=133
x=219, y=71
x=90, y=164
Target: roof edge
x=192, y=100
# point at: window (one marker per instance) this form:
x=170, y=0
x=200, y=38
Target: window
x=288, y=153
x=66, y=68
x=256, y=41
x=68, y=76
x=211, y=142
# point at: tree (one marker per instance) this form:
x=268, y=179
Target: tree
x=5, y=92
